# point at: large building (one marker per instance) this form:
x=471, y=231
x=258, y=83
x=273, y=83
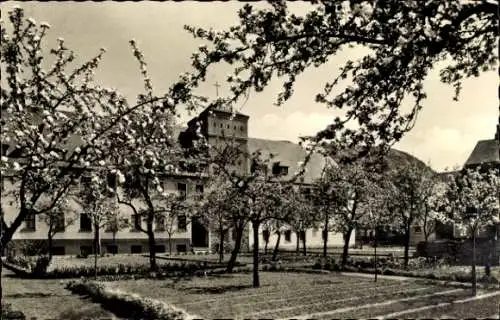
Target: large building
x=217, y=125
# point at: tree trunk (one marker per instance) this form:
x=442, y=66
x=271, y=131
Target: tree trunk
x=152, y=246
x=304, y=243
x=8, y=233
x=256, y=281
x=266, y=243
x=297, y=245
x=221, y=244
x=236, y=249
x=407, y=245
x=345, y=252
x=170, y=245
x=276, y=247
x=375, y=253
x=96, y=247
x=325, y=237
x=50, y=242
x=474, y=280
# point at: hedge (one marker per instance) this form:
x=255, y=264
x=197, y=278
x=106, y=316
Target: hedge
x=127, y=304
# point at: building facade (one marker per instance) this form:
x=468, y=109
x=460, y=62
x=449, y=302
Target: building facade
x=218, y=126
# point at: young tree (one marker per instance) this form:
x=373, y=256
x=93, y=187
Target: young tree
x=474, y=203
x=58, y=219
x=434, y=208
x=217, y=207
x=412, y=187
x=405, y=40
x=176, y=208
x=98, y=202
x=326, y=201
x=302, y=215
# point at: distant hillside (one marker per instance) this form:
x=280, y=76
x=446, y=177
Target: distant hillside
x=397, y=159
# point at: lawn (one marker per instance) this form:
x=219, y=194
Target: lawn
x=47, y=299
x=287, y=295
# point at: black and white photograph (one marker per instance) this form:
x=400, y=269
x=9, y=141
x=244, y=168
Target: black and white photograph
x=325, y=159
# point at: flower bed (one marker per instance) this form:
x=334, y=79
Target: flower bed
x=110, y=269
x=126, y=304
x=417, y=268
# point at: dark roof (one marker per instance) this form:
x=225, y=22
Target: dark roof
x=291, y=155
x=486, y=151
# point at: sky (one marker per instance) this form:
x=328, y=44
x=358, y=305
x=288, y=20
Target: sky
x=444, y=136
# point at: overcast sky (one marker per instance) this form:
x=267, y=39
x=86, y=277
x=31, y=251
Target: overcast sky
x=445, y=134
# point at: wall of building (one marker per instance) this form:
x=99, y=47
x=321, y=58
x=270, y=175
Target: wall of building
x=314, y=239
x=73, y=238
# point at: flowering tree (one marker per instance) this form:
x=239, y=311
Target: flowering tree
x=352, y=185
x=474, y=203
x=378, y=214
x=404, y=41
x=434, y=207
x=57, y=120
x=57, y=219
x=412, y=189
x=301, y=214
x=216, y=206
x=97, y=200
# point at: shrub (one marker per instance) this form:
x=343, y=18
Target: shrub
x=8, y=314
x=136, y=306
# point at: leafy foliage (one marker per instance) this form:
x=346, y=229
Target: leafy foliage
x=403, y=42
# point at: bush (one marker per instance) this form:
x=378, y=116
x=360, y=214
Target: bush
x=133, y=305
x=9, y=314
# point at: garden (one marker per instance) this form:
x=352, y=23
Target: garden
x=285, y=295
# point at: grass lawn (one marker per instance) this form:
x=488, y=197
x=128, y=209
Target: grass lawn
x=47, y=299
x=287, y=295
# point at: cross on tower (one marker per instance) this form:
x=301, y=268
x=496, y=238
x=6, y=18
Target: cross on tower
x=217, y=85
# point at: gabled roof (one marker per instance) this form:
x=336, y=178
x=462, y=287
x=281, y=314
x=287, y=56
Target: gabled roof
x=291, y=155
x=486, y=151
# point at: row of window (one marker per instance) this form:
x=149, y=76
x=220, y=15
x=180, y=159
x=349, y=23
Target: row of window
x=58, y=222
x=86, y=224
x=113, y=249
x=228, y=126
x=288, y=235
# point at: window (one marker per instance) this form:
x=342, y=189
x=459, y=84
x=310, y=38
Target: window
x=199, y=191
x=418, y=229
x=58, y=251
x=315, y=232
x=160, y=223
x=159, y=248
x=29, y=223
x=241, y=128
x=279, y=170
x=182, y=188
x=113, y=249
x=265, y=235
x=137, y=222
x=112, y=180
x=85, y=250
x=85, y=223
x=302, y=235
x=181, y=248
x=288, y=235
x=59, y=223
x=181, y=223
x=136, y=249
x=112, y=226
